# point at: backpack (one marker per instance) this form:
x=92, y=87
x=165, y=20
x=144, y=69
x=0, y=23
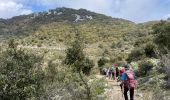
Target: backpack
x=122, y=70
x=130, y=80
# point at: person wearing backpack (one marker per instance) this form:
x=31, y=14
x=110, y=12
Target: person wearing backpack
x=117, y=72
x=128, y=82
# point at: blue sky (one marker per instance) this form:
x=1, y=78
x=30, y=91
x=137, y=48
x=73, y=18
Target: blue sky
x=134, y=10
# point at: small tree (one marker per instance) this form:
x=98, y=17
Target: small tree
x=76, y=58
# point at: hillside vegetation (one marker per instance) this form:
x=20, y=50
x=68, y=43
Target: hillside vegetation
x=56, y=54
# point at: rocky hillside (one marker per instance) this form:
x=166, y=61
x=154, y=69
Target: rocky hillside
x=26, y=24
x=59, y=26
x=50, y=33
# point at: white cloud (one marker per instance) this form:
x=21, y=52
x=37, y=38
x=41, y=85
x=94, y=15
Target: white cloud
x=137, y=10
x=11, y=8
x=166, y=16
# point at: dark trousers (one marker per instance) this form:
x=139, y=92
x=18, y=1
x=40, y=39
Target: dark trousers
x=131, y=93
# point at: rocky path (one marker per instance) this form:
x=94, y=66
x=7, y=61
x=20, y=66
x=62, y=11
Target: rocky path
x=116, y=93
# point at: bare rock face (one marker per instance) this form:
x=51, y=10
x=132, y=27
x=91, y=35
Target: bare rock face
x=82, y=18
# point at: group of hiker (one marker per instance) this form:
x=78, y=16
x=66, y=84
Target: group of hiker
x=126, y=77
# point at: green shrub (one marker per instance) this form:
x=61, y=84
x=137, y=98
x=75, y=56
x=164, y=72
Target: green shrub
x=144, y=68
x=102, y=61
x=149, y=50
x=136, y=55
x=142, y=40
x=21, y=75
x=161, y=31
x=106, y=52
x=98, y=87
x=100, y=46
x=119, y=44
x=39, y=45
x=87, y=66
x=75, y=53
x=113, y=45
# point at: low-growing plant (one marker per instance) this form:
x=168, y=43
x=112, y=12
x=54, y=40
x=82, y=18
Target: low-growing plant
x=150, y=50
x=88, y=65
x=144, y=67
x=113, y=45
x=100, y=46
x=98, y=87
x=136, y=55
x=102, y=61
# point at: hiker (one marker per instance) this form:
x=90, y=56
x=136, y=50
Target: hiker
x=117, y=72
x=113, y=73
x=107, y=72
x=110, y=73
x=121, y=71
x=128, y=82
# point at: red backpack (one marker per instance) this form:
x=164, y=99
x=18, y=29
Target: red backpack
x=121, y=71
x=130, y=80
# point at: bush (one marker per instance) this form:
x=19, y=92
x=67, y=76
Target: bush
x=21, y=75
x=75, y=53
x=136, y=55
x=102, y=62
x=113, y=45
x=119, y=44
x=161, y=31
x=144, y=68
x=39, y=45
x=142, y=40
x=165, y=63
x=98, y=87
x=100, y=46
x=87, y=66
x=149, y=50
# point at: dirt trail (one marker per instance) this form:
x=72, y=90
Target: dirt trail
x=116, y=93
